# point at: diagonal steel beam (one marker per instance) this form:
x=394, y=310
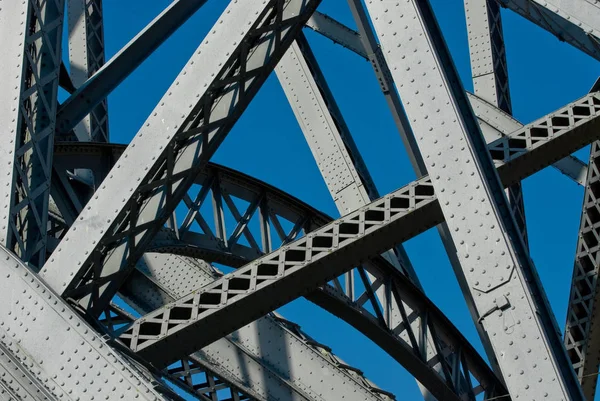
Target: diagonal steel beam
x=305, y=264
x=31, y=33
x=94, y=90
x=493, y=121
x=391, y=334
x=58, y=348
x=333, y=148
x=576, y=22
x=161, y=162
x=490, y=76
x=495, y=271
x=252, y=356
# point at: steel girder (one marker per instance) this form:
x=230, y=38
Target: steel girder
x=57, y=347
x=33, y=32
x=490, y=76
x=86, y=57
x=93, y=91
x=253, y=356
x=496, y=270
x=357, y=306
x=240, y=359
x=173, y=146
x=581, y=342
x=303, y=264
x=338, y=158
x=494, y=122
x=576, y=22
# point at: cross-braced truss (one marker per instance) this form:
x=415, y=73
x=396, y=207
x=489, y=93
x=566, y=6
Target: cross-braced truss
x=110, y=282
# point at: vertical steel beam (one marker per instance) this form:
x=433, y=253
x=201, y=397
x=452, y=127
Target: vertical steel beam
x=496, y=268
x=162, y=161
x=31, y=31
x=97, y=88
x=490, y=75
x=86, y=57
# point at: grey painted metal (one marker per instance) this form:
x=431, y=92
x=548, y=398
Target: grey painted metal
x=332, y=147
x=496, y=269
x=267, y=358
x=304, y=264
x=581, y=342
x=249, y=361
x=198, y=378
x=493, y=122
x=576, y=22
x=31, y=31
x=86, y=57
x=94, y=90
x=387, y=84
x=16, y=381
x=58, y=348
x=222, y=77
x=358, y=310
x=490, y=76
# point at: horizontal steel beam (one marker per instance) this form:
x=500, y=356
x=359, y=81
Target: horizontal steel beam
x=269, y=282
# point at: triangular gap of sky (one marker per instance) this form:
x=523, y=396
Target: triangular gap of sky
x=267, y=143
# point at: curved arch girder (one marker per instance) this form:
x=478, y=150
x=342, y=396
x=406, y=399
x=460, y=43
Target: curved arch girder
x=382, y=305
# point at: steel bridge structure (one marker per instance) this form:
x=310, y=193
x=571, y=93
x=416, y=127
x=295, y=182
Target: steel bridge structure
x=109, y=288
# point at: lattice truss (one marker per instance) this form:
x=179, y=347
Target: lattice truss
x=113, y=285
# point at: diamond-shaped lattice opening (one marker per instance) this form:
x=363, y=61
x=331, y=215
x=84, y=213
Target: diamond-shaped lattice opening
x=586, y=264
x=238, y=283
x=595, y=187
x=374, y=215
x=266, y=270
x=539, y=132
x=573, y=356
x=294, y=255
x=580, y=311
x=577, y=333
x=593, y=214
x=180, y=314
x=581, y=111
x=399, y=203
x=515, y=143
x=150, y=329
x=584, y=288
x=560, y=121
x=350, y=228
x=322, y=242
x=424, y=190
x=590, y=239
x=209, y=298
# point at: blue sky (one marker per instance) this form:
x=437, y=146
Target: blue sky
x=267, y=143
